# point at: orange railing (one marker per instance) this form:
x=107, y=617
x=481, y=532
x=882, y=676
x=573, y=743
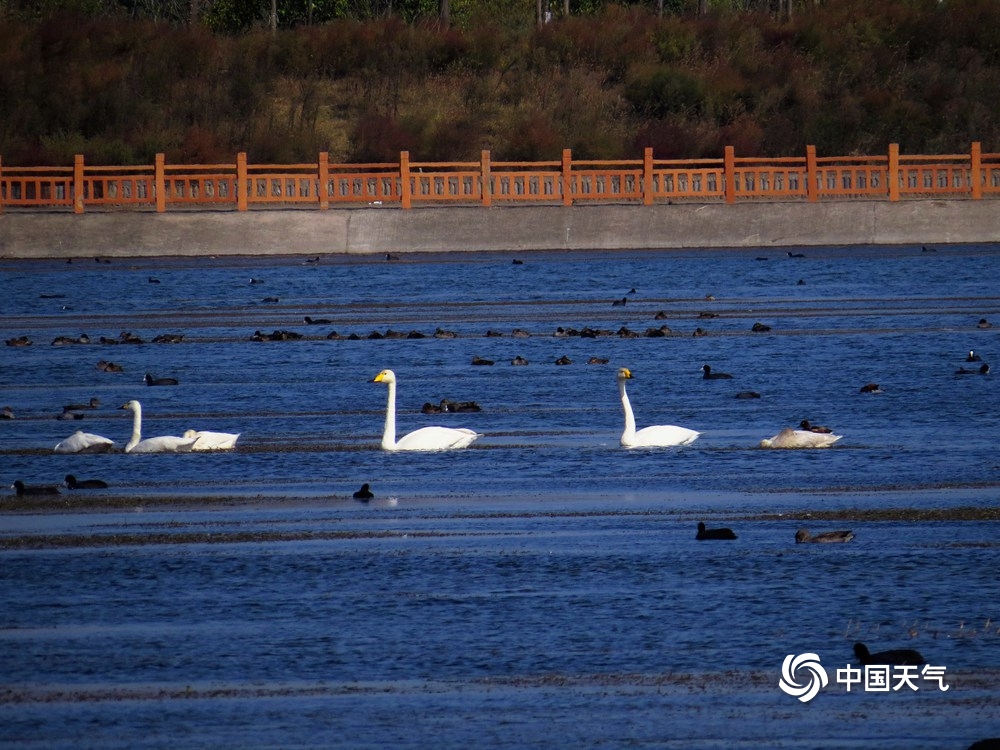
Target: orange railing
x=241, y=185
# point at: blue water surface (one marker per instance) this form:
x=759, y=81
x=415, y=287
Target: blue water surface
x=542, y=588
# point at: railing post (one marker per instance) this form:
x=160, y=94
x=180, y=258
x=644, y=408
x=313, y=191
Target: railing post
x=324, y=179
x=1, y=184
x=78, y=184
x=647, y=176
x=485, y=178
x=405, y=190
x=976, y=170
x=567, y=177
x=160, y=183
x=893, y=175
x=812, y=175
x=730, y=169
x=242, y=186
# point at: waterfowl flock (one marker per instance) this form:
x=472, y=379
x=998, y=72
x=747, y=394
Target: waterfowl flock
x=806, y=435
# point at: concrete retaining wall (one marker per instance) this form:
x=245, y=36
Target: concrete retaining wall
x=502, y=228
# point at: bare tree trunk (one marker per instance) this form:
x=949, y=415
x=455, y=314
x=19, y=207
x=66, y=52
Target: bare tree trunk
x=274, y=16
x=539, y=17
x=444, y=12
x=702, y=7
x=565, y=8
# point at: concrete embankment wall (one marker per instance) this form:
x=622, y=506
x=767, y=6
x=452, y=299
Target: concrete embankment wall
x=501, y=228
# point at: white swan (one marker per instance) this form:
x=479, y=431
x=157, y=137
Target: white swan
x=212, y=441
x=424, y=439
x=84, y=442
x=789, y=438
x=163, y=444
x=655, y=436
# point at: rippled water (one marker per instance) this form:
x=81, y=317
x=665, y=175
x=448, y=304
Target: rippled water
x=544, y=587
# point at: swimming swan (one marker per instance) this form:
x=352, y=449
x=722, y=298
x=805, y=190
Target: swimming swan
x=424, y=439
x=212, y=441
x=789, y=438
x=163, y=444
x=656, y=436
x=84, y=442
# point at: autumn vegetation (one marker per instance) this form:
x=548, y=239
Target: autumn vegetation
x=848, y=76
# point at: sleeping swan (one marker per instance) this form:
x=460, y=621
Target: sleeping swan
x=212, y=441
x=164, y=444
x=84, y=442
x=789, y=438
x=424, y=439
x=656, y=436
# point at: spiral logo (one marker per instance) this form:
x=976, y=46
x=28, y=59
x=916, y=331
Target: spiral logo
x=817, y=676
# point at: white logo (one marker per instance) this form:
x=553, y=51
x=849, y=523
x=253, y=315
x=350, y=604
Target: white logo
x=817, y=676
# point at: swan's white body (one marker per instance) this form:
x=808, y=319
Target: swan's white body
x=212, y=441
x=789, y=438
x=84, y=442
x=424, y=439
x=655, y=436
x=162, y=444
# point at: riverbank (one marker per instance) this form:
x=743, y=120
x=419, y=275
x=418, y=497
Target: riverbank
x=375, y=230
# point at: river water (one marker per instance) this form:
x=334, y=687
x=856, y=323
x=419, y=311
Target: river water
x=543, y=587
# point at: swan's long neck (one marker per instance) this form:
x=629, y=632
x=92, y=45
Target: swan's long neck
x=389, y=432
x=136, y=428
x=627, y=408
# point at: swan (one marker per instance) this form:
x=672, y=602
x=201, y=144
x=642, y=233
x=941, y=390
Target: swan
x=424, y=439
x=84, y=442
x=212, y=441
x=789, y=438
x=656, y=436
x=163, y=444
